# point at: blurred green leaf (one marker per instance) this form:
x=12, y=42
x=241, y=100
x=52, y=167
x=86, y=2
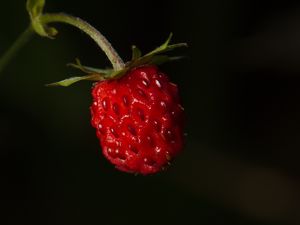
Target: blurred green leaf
x=35, y=7
x=35, y=10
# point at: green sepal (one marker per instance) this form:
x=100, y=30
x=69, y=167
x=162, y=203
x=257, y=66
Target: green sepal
x=165, y=47
x=155, y=57
x=35, y=10
x=136, y=53
x=88, y=69
x=67, y=82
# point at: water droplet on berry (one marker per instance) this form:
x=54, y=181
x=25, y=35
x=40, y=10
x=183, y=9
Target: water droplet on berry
x=157, y=150
x=114, y=91
x=156, y=125
x=145, y=82
x=163, y=104
x=169, y=135
x=100, y=128
x=113, y=131
x=125, y=100
x=104, y=104
x=150, y=140
x=158, y=83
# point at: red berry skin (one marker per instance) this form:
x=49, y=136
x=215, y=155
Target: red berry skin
x=138, y=120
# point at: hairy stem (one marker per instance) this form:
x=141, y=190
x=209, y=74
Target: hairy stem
x=17, y=45
x=92, y=32
x=102, y=42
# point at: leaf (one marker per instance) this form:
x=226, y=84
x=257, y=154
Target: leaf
x=35, y=7
x=67, y=82
x=165, y=47
x=136, y=53
x=155, y=56
x=88, y=69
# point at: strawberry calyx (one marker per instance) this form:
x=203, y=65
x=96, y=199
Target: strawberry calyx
x=155, y=57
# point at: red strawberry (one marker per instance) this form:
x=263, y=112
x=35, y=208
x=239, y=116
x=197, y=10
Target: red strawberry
x=139, y=120
x=136, y=109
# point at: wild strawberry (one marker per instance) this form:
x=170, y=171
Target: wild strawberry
x=136, y=111
x=139, y=120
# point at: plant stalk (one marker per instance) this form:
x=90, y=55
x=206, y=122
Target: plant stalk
x=92, y=32
x=101, y=41
x=17, y=45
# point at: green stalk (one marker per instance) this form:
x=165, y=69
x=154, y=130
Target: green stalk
x=92, y=32
x=17, y=45
x=102, y=42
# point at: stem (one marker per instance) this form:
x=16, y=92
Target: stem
x=102, y=42
x=18, y=44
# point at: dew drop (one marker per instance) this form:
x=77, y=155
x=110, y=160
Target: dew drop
x=158, y=150
x=145, y=82
x=113, y=131
x=143, y=74
x=163, y=104
x=169, y=135
x=125, y=100
x=158, y=83
x=150, y=140
x=104, y=104
x=100, y=128
x=156, y=125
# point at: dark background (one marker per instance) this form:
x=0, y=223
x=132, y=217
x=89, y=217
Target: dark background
x=240, y=88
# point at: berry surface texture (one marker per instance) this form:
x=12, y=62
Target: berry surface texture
x=138, y=120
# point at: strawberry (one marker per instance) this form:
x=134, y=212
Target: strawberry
x=136, y=110
x=139, y=120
